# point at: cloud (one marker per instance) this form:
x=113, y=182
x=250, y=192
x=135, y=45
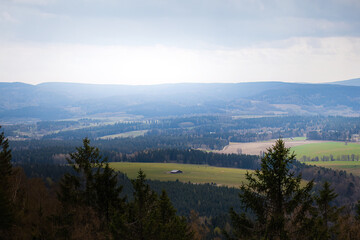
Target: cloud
x=7, y=17
x=293, y=60
x=182, y=23
x=33, y=2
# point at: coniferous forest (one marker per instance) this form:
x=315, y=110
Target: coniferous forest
x=86, y=199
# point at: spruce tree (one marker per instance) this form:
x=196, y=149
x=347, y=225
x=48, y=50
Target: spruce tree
x=94, y=186
x=84, y=161
x=357, y=211
x=274, y=199
x=6, y=210
x=141, y=209
x=169, y=225
x=327, y=213
x=149, y=217
x=107, y=192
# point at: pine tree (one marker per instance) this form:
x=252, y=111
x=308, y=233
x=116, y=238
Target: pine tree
x=274, y=198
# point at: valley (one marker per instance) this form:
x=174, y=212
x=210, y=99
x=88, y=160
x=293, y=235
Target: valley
x=214, y=140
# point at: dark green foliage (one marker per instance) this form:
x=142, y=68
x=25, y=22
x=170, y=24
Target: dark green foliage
x=140, y=212
x=94, y=186
x=6, y=209
x=94, y=190
x=95, y=183
x=170, y=226
x=206, y=199
x=192, y=156
x=5, y=160
x=107, y=192
x=69, y=189
x=357, y=211
x=149, y=217
x=6, y=213
x=274, y=197
x=327, y=214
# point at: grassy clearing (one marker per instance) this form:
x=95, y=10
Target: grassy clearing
x=125, y=134
x=348, y=166
x=193, y=173
x=337, y=149
x=326, y=149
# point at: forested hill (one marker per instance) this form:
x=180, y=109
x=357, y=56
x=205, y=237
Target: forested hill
x=351, y=82
x=53, y=101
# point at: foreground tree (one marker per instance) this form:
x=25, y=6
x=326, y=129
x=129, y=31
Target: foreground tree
x=327, y=215
x=25, y=204
x=274, y=198
x=92, y=190
x=6, y=209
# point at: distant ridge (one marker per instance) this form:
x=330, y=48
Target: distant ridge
x=350, y=82
x=54, y=101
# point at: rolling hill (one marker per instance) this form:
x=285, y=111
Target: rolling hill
x=52, y=101
x=350, y=82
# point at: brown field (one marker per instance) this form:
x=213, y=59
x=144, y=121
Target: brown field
x=254, y=148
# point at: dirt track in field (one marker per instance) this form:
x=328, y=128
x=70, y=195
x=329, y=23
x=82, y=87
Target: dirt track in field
x=254, y=148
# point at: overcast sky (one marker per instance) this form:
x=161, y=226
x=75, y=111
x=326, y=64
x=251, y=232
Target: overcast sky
x=169, y=41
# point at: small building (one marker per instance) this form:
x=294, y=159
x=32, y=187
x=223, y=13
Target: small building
x=175, y=171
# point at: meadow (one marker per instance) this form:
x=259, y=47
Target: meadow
x=125, y=134
x=256, y=148
x=348, y=166
x=337, y=149
x=231, y=177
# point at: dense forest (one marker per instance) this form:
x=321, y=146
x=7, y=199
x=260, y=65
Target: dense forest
x=39, y=152
x=210, y=131
x=42, y=153
x=87, y=199
x=62, y=194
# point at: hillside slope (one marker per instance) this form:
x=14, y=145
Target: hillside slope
x=51, y=101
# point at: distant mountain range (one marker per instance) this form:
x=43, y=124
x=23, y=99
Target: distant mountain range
x=54, y=101
x=351, y=82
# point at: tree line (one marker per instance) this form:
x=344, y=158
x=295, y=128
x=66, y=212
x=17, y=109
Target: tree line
x=216, y=127
x=191, y=156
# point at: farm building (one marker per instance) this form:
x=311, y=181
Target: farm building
x=175, y=171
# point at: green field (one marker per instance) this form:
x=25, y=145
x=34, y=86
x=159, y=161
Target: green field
x=125, y=134
x=326, y=149
x=349, y=166
x=193, y=173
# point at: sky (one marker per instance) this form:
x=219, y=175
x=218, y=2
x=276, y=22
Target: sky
x=170, y=41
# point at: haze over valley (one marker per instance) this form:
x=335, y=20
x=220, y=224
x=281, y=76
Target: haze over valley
x=177, y=119
x=55, y=101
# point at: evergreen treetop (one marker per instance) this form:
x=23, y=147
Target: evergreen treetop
x=273, y=197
